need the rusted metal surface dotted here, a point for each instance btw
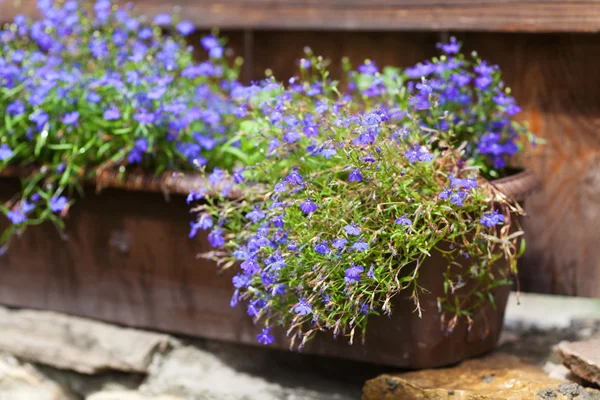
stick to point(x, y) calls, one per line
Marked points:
point(390, 15)
point(127, 259)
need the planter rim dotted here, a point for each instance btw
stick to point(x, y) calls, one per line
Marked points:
point(516, 186)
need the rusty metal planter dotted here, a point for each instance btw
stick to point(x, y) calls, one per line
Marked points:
point(127, 260)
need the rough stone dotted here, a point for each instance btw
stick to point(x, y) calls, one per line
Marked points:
point(495, 377)
point(78, 344)
point(129, 395)
point(582, 357)
point(195, 373)
point(22, 382)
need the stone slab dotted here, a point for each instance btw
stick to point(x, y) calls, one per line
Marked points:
point(496, 377)
point(582, 358)
point(78, 344)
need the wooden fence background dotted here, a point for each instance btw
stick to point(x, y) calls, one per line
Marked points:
point(549, 51)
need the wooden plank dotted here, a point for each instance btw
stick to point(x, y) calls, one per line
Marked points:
point(128, 260)
point(555, 79)
point(391, 15)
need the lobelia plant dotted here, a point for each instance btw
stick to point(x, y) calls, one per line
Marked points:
point(348, 193)
point(85, 89)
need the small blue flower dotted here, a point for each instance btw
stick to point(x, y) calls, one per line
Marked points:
point(355, 176)
point(255, 215)
point(360, 246)
point(5, 152)
point(492, 219)
point(16, 217)
point(70, 118)
point(16, 108)
point(352, 230)
point(353, 274)
point(322, 248)
point(215, 238)
point(250, 267)
point(368, 68)
point(238, 178)
point(308, 207)
point(112, 113)
point(265, 337)
point(371, 273)
point(445, 194)
point(339, 243)
point(27, 207)
point(404, 221)
point(58, 203)
point(302, 308)
point(241, 281)
point(450, 48)
point(162, 19)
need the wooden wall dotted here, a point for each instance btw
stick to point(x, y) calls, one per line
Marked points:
point(550, 55)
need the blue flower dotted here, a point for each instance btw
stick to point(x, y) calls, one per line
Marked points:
point(112, 113)
point(368, 68)
point(15, 108)
point(360, 246)
point(450, 48)
point(492, 219)
point(328, 152)
point(280, 187)
point(424, 88)
point(464, 183)
point(265, 337)
point(234, 298)
point(294, 178)
point(250, 267)
point(162, 19)
point(16, 217)
point(339, 243)
point(302, 308)
point(355, 176)
point(145, 33)
point(215, 238)
point(144, 117)
point(209, 42)
point(215, 177)
point(352, 230)
point(5, 152)
point(353, 274)
point(371, 273)
point(58, 203)
point(27, 207)
point(371, 120)
point(445, 194)
point(238, 178)
point(70, 118)
point(322, 248)
point(416, 154)
point(308, 207)
point(458, 198)
point(254, 307)
point(255, 215)
point(40, 118)
point(195, 196)
point(404, 221)
point(241, 281)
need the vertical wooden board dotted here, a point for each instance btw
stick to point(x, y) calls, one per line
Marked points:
point(280, 50)
point(556, 81)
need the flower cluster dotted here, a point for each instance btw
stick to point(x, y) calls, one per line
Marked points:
point(85, 89)
point(469, 94)
point(345, 197)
